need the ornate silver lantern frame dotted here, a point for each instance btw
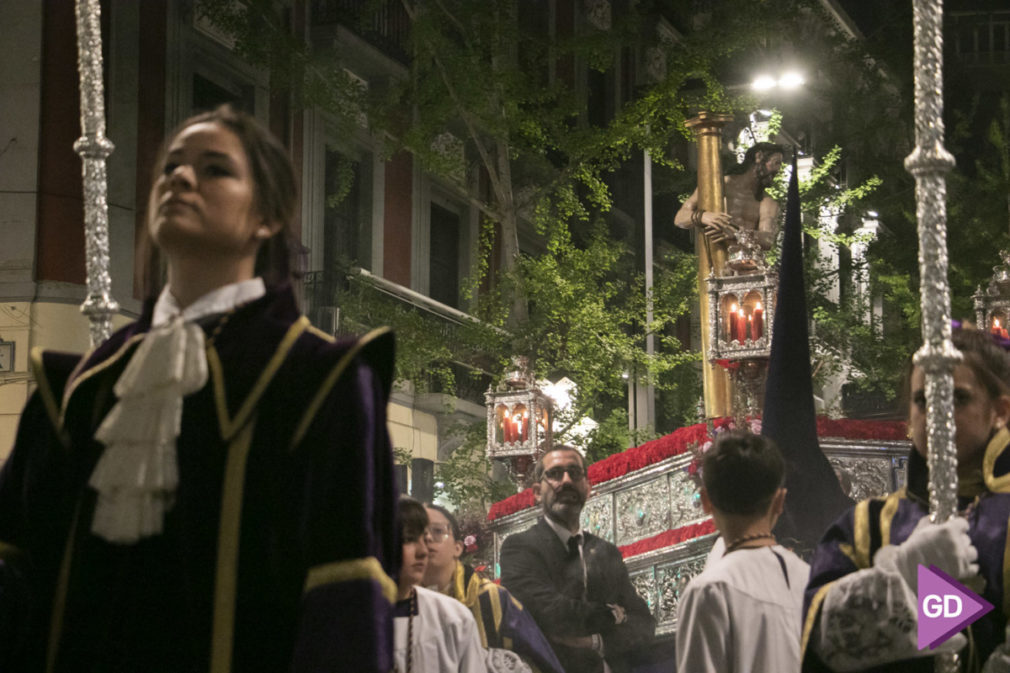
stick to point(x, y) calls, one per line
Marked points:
point(741, 312)
point(519, 421)
point(992, 305)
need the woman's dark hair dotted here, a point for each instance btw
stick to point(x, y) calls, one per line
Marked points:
point(742, 472)
point(453, 524)
point(413, 518)
point(988, 361)
point(275, 189)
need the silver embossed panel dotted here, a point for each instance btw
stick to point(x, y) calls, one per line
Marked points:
point(685, 501)
point(643, 511)
point(644, 582)
point(598, 516)
point(671, 579)
point(861, 477)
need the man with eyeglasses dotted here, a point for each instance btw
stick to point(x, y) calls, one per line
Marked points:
point(505, 624)
point(574, 583)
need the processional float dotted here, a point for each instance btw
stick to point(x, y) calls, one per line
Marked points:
point(653, 501)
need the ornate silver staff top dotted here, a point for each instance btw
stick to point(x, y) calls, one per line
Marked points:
point(929, 163)
point(94, 147)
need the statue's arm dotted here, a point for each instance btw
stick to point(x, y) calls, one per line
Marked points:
point(683, 217)
point(717, 226)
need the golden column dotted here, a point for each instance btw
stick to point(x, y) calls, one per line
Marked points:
point(711, 256)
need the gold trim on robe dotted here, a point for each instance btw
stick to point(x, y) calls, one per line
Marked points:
point(331, 380)
point(367, 568)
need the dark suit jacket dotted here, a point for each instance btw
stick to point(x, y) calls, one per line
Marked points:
point(547, 579)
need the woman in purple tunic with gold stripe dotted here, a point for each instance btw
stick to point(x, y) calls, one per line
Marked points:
point(861, 604)
point(210, 489)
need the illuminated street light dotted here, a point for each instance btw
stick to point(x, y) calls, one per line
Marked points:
point(787, 82)
point(791, 80)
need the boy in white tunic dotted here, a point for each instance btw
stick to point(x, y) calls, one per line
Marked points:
point(432, 633)
point(742, 613)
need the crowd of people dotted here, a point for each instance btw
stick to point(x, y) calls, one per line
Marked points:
point(211, 489)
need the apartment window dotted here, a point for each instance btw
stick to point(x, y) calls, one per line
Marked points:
point(444, 259)
point(208, 94)
point(347, 211)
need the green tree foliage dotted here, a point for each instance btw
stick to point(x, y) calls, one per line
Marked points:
point(512, 92)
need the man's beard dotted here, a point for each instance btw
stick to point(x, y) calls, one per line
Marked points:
point(565, 505)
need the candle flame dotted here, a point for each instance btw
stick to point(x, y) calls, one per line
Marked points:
point(757, 306)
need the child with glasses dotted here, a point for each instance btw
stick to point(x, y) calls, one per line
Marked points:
point(508, 628)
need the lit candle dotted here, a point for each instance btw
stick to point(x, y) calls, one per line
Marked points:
point(750, 327)
point(732, 323)
point(507, 428)
point(995, 326)
point(758, 327)
point(517, 434)
point(526, 425)
point(741, 326)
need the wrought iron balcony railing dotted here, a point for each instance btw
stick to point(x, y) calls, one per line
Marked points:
point(383, 24)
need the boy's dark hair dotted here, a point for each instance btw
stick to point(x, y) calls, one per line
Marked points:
point(453, 524)
point(413, 518)
point(742, 472)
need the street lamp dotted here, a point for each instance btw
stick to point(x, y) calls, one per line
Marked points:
point(787, 81)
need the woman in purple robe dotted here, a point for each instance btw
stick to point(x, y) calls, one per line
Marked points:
point(211, 488)
point(861, 603)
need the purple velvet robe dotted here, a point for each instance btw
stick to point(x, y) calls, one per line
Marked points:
point(303, 528)
point(850, 543)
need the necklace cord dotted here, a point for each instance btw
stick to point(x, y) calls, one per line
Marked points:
point(735, 544)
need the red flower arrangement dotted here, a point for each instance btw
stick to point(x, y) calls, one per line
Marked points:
point(511, 504)
point(677, 442)
point(668, 538)
point(687, 438)
point(855, 429)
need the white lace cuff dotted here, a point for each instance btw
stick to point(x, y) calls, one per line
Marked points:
point(868, 618)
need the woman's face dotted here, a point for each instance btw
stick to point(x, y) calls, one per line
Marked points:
point(976, 415)
point(204, 203)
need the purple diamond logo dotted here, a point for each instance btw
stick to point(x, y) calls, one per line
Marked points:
point(945, 606)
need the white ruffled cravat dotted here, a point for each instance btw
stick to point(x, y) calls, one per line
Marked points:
point(137, 474)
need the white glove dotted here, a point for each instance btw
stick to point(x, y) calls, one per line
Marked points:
point(945, 545)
